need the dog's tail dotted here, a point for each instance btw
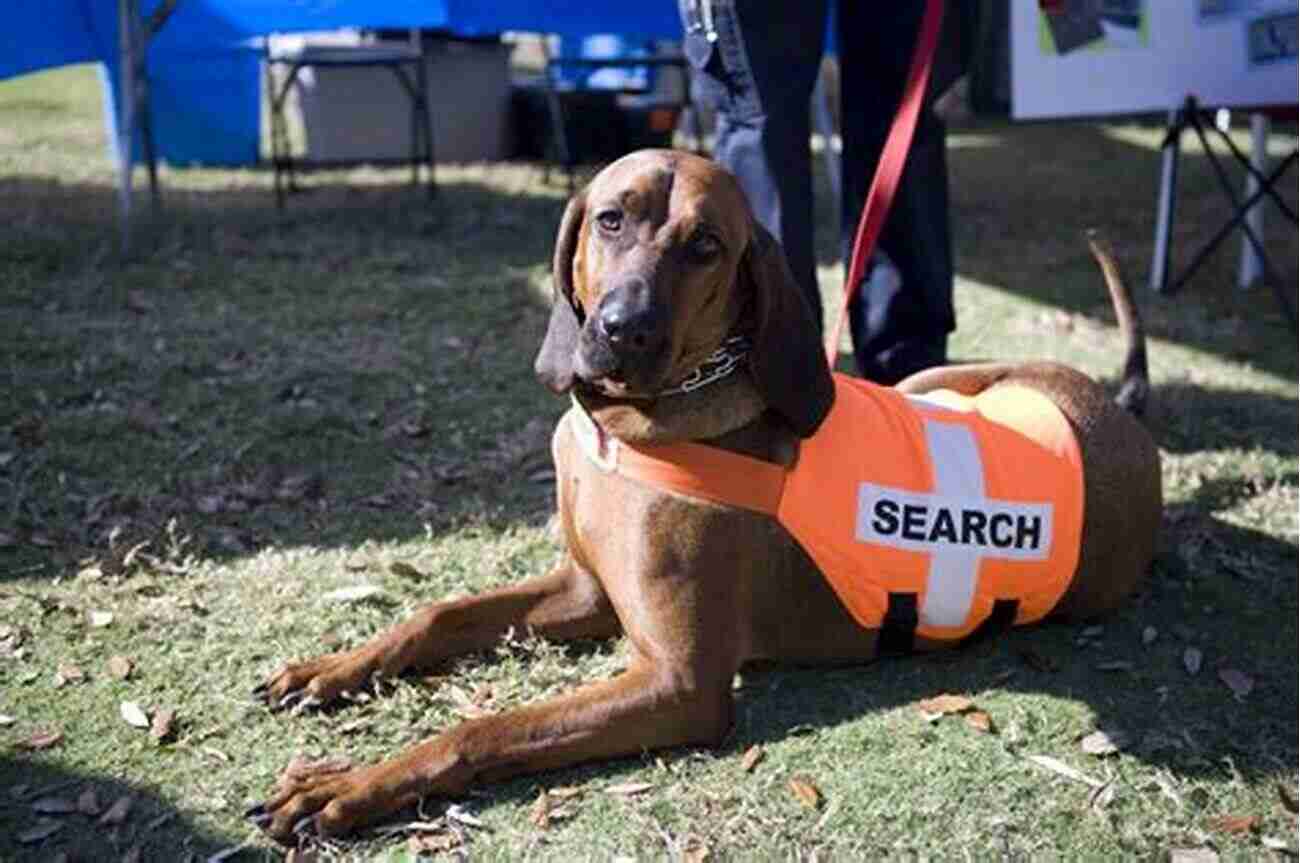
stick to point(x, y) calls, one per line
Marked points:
point(1135, 383)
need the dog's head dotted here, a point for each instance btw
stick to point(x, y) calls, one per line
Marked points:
point(656, 263)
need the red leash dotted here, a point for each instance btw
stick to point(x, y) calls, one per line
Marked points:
point(890, 169)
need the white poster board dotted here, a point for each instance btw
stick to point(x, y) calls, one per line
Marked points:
point(1077, 58)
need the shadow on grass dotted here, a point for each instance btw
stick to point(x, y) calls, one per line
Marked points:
point(36, 799)
point(1190, 418)
point(356, 368)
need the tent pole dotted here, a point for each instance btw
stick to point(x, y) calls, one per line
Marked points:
point(126, 116)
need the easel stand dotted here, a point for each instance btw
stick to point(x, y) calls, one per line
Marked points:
point(1245, 215)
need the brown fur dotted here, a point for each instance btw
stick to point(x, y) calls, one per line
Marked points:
point(698, 589)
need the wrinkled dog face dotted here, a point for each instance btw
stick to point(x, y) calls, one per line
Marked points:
point(653, 270)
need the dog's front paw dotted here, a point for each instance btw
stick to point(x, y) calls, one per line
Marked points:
point(325, 798)
point(317, 681)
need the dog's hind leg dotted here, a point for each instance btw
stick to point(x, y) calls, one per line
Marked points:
point(565, 603)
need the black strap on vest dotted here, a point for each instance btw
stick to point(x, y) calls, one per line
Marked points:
point(898, 628)
point(999, 621)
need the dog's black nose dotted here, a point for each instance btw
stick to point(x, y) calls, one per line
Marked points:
point(628, 324)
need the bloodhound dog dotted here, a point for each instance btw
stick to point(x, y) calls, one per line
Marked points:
point(658, 267)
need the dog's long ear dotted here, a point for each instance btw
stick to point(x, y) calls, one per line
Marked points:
point(554, 363)
point(787, 359)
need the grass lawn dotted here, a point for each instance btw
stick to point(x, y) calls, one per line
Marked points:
point(268, 434)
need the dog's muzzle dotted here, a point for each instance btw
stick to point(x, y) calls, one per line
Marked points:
point(623, 339)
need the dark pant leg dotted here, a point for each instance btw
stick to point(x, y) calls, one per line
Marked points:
point(760, 77)
point(898, 327)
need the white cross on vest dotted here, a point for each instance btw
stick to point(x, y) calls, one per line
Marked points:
point(955, 523)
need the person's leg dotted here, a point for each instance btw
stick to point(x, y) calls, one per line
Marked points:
point(899, 325)
point(760, 76)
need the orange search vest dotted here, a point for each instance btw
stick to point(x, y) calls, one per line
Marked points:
point(968, 506)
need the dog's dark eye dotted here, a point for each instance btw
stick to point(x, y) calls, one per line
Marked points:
point(705, 245)
point(610, 220)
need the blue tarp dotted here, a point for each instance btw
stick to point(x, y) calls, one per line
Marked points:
point(203, 65)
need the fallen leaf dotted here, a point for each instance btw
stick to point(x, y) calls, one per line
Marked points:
point(120, 667)
point(68, 674)
point(942, 705)
point(1234, 823)
point(353, 594)
point(100, 619)
point(404, 569)
point(88, 802)
point(1193, 855)
point(161, 728)
point(133, 714)
point(1062, 769)
point(564, 792)
point(1273, 843)
point(627, 789)
point(1238, 681)
point(805, 791)
point(1104, 742)
point(53, 806)
point(42, 829)
point(540, 814)
point(118, 812)
point(753, 755)
point(1192, 660)
point(694, 850)
point(1288, 797)
point(43, 740)
point(980, 721)
point(433, 843)
point(6, 720)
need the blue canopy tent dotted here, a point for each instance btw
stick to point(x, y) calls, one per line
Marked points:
point(190, 67)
